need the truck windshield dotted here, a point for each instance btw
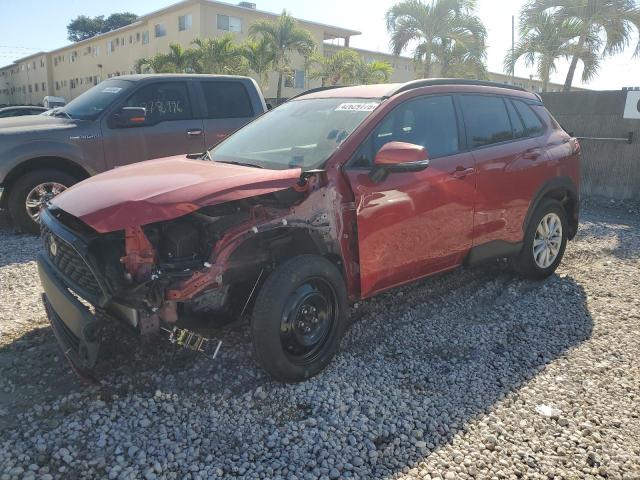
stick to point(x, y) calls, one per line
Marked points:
point(92, 102)
point(298, 134)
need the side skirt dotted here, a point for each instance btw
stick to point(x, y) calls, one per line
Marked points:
point(491, 251)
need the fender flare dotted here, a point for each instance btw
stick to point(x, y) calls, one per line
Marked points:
point(558, 184)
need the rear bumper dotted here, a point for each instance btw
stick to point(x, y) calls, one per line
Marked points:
point(74, 325)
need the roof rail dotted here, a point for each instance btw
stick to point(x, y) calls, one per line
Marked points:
point(430, 82)
point(314, 90)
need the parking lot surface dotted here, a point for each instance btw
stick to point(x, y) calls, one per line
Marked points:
point(472, 374)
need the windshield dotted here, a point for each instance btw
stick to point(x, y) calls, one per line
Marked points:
point(301, 133)
point(89, 105)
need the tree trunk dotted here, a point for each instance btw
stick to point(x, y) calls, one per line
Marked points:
point(427, 67)
point(279, 93)
point(574, 63)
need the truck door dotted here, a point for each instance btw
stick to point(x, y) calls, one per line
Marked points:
point(227, 107)
point(171, 128)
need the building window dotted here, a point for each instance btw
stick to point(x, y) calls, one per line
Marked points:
point(36, 87)
point(110, 47)
point(294, 79)
point(230, 24)
point(160, 30)
point(137, 37)
point(44, 86)
point(298, 81)
point(185, 22)
point(130, 39)
point(30, 89)
point(145, 37)
point(73, 57)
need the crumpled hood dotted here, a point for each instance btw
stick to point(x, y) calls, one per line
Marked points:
point(164, 189)
point(33, 123)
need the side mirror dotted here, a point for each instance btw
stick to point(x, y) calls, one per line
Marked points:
point(130, 117)
point(398, 157)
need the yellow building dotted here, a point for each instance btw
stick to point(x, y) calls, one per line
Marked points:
point(69, 71)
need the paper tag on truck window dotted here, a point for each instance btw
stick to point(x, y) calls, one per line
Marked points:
point(356, 107)
point(111, 90)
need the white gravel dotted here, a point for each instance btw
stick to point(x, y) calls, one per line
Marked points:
point(473, 374)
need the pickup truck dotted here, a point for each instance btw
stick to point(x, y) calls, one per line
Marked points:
point(120, 121)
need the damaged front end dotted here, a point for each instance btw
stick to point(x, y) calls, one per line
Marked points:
point(164, 277)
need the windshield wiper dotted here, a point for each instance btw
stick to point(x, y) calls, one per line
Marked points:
point(244, 164)
point(62, 112)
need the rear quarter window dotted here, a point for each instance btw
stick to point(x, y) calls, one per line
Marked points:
point(532, 124)
point(227, 100)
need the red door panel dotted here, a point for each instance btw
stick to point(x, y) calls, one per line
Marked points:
point(508, 177)
point(413, 224)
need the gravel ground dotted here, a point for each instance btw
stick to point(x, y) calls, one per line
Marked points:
point(473, 374)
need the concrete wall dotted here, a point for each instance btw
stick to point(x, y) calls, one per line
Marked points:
point(609, 168)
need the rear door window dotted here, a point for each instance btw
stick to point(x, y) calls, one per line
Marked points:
point(428, 121)
point(532, 123)
point(227, 100)
point(486, 120)
point(165, 101)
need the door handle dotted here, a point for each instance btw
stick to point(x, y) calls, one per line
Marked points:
point(461, 172)
point(533, 154)
point(194, 132)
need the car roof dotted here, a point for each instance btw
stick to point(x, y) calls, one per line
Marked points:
point(387, 90)
point(146, 76)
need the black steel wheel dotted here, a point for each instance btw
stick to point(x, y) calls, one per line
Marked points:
point(299, 318)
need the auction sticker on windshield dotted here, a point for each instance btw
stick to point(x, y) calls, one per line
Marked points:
point(356, 107)
point(111, 90)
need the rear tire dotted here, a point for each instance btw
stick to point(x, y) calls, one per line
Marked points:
point(299, 318)
point(22, 188)
point(544, 242)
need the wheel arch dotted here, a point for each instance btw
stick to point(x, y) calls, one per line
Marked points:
point(564, 190)
point(275, 246)
point(43, 162)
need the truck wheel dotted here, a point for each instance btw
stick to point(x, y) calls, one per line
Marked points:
point(299, 318)
point(544, 242)
point(33, 190)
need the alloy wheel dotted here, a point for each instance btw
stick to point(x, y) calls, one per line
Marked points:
point(547, 240)
point(39, 196)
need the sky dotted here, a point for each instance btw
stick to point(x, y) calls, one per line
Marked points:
point(28, 26)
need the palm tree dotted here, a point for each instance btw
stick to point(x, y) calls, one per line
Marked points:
point(373, 72)
point(612, 20)
point(260, 59)
point(346, 67)
point(545, 39)
point(285, 37)
point(335, 69)
point(440, 29)
point(183, 60)
point(219, 55)
point(159, 63)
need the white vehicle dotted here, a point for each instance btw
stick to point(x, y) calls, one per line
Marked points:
point(53, 102)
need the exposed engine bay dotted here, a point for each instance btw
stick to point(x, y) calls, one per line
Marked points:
point(204, 265)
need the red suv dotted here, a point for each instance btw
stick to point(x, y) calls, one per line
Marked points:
point(335, 196)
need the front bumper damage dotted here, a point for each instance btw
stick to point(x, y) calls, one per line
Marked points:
point(74, 325)
point(78, 300)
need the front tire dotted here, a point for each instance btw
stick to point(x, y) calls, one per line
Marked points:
point(299, 318)
point(544, 242)
point(31, 191)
